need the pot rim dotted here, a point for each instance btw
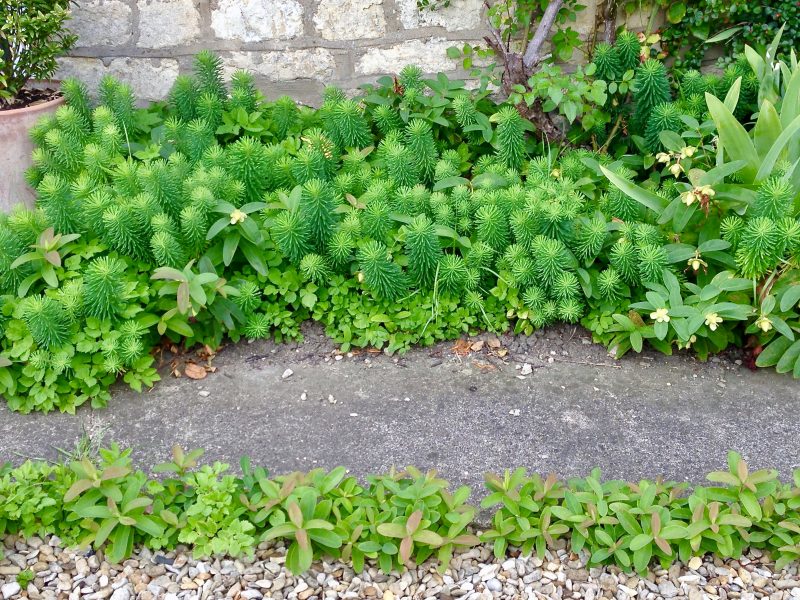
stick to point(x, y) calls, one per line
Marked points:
point(42, 106)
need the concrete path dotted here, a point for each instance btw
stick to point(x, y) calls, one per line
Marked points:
point(644, 416)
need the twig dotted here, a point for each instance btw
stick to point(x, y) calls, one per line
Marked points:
point(588, 363)
point(533, 55)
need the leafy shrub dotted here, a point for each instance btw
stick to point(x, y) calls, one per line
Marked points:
point(32, 36)
point(412, 215)
point(398, 519)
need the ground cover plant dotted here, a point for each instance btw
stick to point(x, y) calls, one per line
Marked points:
point(418, 212)
point(398, 519)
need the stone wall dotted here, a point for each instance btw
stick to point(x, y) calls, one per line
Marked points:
point(293, 46)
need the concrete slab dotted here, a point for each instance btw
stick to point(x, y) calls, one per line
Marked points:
point(644, 416)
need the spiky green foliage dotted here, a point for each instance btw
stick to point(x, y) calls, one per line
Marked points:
point(243, 91)
point(258, 326)
point(208, 72)
point(551, 257)
point(423, 250)
point(492, 226)
point(386, 119)
point(760, 248)
point(315, 268)
point(664, 117)
point(340, 248)
point(570, 309)
point(47, 321)
point(410, 78)
point(731, 228)
point(183, 97)
point(629, 50)
point(292, 233)
point(609, 284)
point(381, 275)
point(510, 137)
point(453, 273)
point(692, 83)
point(774, 199)
point(401, 164)
point(58, 205)
point(375, 218)
point(118, 98)
point(620, 205)
point(419, 139)
point(104, 287)
point(167, 250)
point(645, 233)
point(625, 260)
point(590, 237)
point(247, 162)
point(76, 95)
point(607, 60)
point(348, 127)
point(285, 115)
point(317, 204)
point(651, 88)
point(652, 262)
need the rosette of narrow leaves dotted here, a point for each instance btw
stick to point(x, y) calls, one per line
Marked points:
point(607, 61)
point(125, 231)
point(194, 227)
point(285, 115)
point(590, 237)
point(551, 257)
point(183, 97)
point(381, 274)
point(347, 126)
point(247, 159)
point(760, 248)
point(104, 287)
point(167, 250)
point(565, 286)
point(208, 73)
point(570, 309)
point(619, 204)
point(317, 204)
point(244, 94)
point(653, 260)
point(308, 164)
point(692, 82)
point(258, 326)
point(774, 199)
point(209, 111)
point(315, 268)
point(56, 202)
point(452, 275)
point(120, 100)
point(401, 165)
point(629, 50)
point(510, 136)
point(249, 298)
point(340, 248)
point(47, 321)
point(419, 139)
point(480, 255)
point(386, 119)
point(423, 250)
point(625, 260)
point(76, 95)
point(645, 233)
point(664, 117)
point(650, 88)
point(609, 284)
point(492, 226)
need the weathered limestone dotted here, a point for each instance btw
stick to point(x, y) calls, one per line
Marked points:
point(315, 63)
point(257, 20)
point(164, 23)
point(459, 16)
point(151, 79)
point(103, 23)
point(430, 55)
point(350, 19)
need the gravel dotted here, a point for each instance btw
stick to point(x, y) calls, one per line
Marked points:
point(472, 575)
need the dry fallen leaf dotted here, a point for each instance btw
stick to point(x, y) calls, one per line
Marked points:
point(462, 347)
point(494, 343)
point(477, 346)
point(483, 366)
point(501, 353)
point(194, 371)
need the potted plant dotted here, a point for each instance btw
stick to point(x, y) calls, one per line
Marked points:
point(32, 36)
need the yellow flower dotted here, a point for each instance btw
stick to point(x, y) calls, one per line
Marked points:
point(688, 151)
point(663, 157)
point(676, 169)
point(555, 173)
point(360, 277)
point(706, 190)
point(764, 323)
point(661, 315)
point(237, 216)
point(688, 198)
point(713, 320)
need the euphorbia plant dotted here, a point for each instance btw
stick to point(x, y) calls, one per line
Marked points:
point(33, 35)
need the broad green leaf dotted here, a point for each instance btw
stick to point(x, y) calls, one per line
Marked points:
point(649, 199)
point(734, 137)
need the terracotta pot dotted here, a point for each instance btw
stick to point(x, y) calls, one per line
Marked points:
point(15, 152)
